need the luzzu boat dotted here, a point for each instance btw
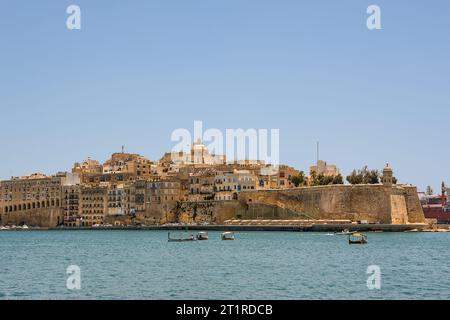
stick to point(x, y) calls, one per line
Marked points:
point(357, 238)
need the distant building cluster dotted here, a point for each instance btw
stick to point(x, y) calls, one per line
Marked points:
point(325, 169)
point(436, 206)
point(131, 185)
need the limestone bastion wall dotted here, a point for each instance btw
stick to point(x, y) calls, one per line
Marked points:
point(374, 203)
point(44, 217)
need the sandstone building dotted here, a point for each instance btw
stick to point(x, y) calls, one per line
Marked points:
point(321, 167)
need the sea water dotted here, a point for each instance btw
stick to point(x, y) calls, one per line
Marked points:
point(257, 265)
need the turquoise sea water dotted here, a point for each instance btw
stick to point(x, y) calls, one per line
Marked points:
point(257, 265)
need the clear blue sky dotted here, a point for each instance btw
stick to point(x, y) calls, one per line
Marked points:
point(137, 70)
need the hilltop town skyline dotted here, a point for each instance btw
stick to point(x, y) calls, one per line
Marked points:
point(198, 156)
point(157, 160)
point(193, 186)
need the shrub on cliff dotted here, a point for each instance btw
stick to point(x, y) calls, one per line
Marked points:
point(355, 177)
point(364, 176)
point(322, 180)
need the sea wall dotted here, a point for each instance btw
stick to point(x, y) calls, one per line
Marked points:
point(44, 217)
point(375, 203)
point(398, 204)
point(208, 211)
point(184, 212)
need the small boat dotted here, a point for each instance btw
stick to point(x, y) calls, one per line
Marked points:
point(181, 237)
point(4, 228)
point(202, 235)
point(25, 227)
point(357, 238)
point(227, 236)
point(344, 232)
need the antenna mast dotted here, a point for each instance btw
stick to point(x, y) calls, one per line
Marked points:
point(317, 152)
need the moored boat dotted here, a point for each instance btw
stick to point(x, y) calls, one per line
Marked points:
point(202, 235)
point(227, 236)
point(181, 237)
point(344, 232)
point(357, 238)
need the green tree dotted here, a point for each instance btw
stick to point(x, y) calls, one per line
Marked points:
point(371, 177)
point(313, 178)
point(356, 177)
point(299, 179)
point(338, 179)
point(364, 176)
point(322, 180)
point(325, 180)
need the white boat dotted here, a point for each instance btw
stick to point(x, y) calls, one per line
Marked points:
point(227, 236)
point(4, 228)
point(344, 232)
point(25, 227)
point(202, 235)
point(181, 237)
